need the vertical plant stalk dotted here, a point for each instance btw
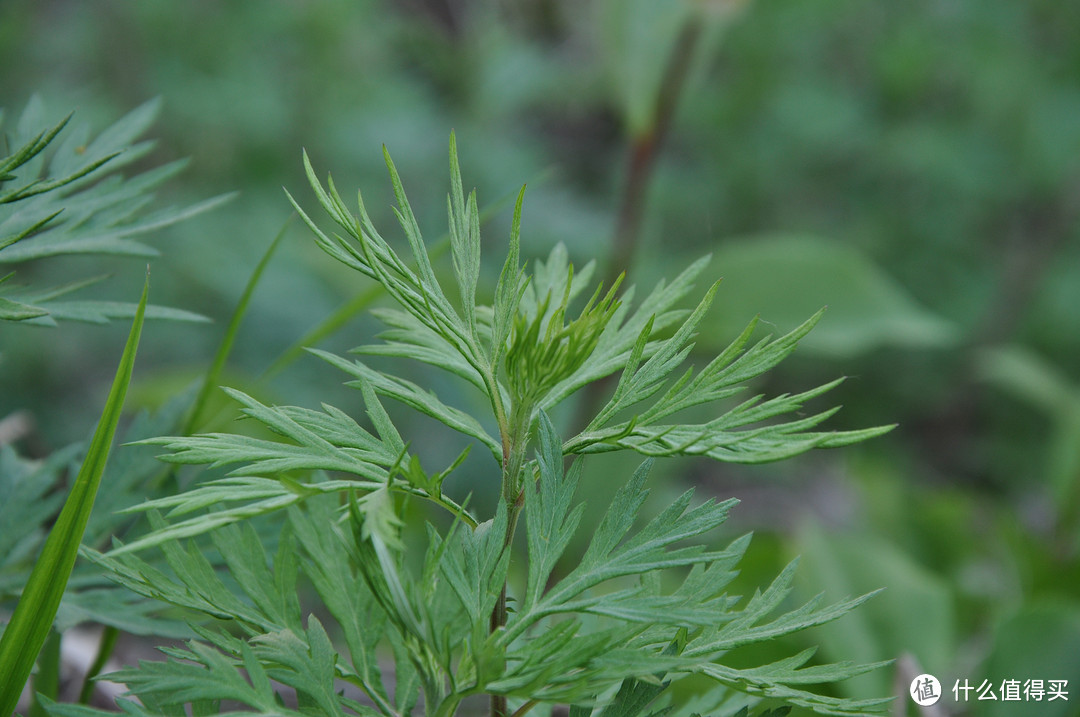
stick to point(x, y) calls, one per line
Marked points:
point(642, 161)
point(1026, 259)
point(105, 650)
point(515, 440)
point(643, 150)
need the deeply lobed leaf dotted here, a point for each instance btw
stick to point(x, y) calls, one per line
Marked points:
point(642, 605)
point(75, 203)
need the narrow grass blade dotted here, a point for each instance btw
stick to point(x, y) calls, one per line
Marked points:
point(222, 355)
point(327, 327)
point(33, 618)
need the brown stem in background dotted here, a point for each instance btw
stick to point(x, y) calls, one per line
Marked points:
point(644, 147)
point(642, 161)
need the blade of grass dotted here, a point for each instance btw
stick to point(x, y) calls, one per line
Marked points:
point(222, 355)
point(34, 614)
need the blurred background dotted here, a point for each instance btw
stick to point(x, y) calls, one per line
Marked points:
point(913, 166)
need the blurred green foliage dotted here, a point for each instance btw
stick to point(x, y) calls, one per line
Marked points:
point(922, 157)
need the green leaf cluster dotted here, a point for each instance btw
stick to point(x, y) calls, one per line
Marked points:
point(31, 495)
point(644, 605)
point(61, 194)
point(525, 358)
point(566, 640)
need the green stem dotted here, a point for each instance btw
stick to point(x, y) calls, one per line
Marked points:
point(500, 417)
point(644, 148)
point(210, 381)
point(515, 443)
point(105, 650)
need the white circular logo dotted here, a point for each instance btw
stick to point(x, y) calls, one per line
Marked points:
point(925, 690)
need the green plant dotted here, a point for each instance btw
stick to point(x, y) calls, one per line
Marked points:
point(30, 624)
point(60, 194)
point(641, 607)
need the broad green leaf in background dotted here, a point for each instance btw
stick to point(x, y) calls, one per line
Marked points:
point(1028, 377)
point(912, 614)
point(782, 278)
point(33, 617)
point(1040, 641)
